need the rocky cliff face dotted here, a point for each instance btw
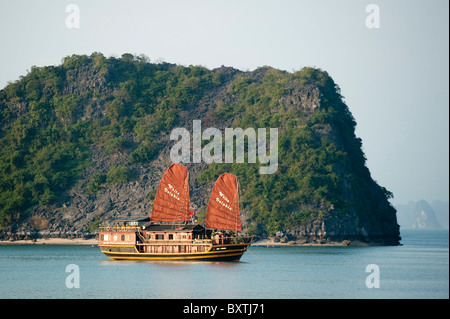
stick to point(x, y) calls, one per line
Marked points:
point(342, 202)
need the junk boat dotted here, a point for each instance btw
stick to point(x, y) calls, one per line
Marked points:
point(170, 232)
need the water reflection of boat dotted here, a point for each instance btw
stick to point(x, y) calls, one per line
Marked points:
point(170, 233)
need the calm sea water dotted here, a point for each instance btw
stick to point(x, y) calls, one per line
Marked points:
point(418, 269)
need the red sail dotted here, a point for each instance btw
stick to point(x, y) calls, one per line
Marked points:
point(172, 201)
point(223, 208)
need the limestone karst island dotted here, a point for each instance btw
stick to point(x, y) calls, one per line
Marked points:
point(88, 140)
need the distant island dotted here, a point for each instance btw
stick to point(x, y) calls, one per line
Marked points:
point(89, 140)
point(423, 215)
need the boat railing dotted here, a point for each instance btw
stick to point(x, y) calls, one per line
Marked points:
point(175, 241)
point(230, 240)
point(245, 239)
point(222, 241)
point(119, 228)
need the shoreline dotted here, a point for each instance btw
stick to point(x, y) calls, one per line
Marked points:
point(259, 243)
point(80, 241)
point(51, 241)
point(273, 244)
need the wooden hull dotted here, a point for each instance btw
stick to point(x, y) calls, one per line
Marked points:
point(230, 252)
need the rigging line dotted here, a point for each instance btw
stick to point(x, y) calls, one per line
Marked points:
point(255, 255)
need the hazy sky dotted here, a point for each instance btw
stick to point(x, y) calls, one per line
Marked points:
point(394, 78)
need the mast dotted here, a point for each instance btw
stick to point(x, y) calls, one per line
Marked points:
point(238, 216)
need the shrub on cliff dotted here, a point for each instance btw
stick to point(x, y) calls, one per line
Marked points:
point(118, 174)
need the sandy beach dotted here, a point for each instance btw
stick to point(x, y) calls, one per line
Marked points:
point(51, 241)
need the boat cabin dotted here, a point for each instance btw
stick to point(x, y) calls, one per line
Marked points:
point(175, 232)
point(155, 237)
